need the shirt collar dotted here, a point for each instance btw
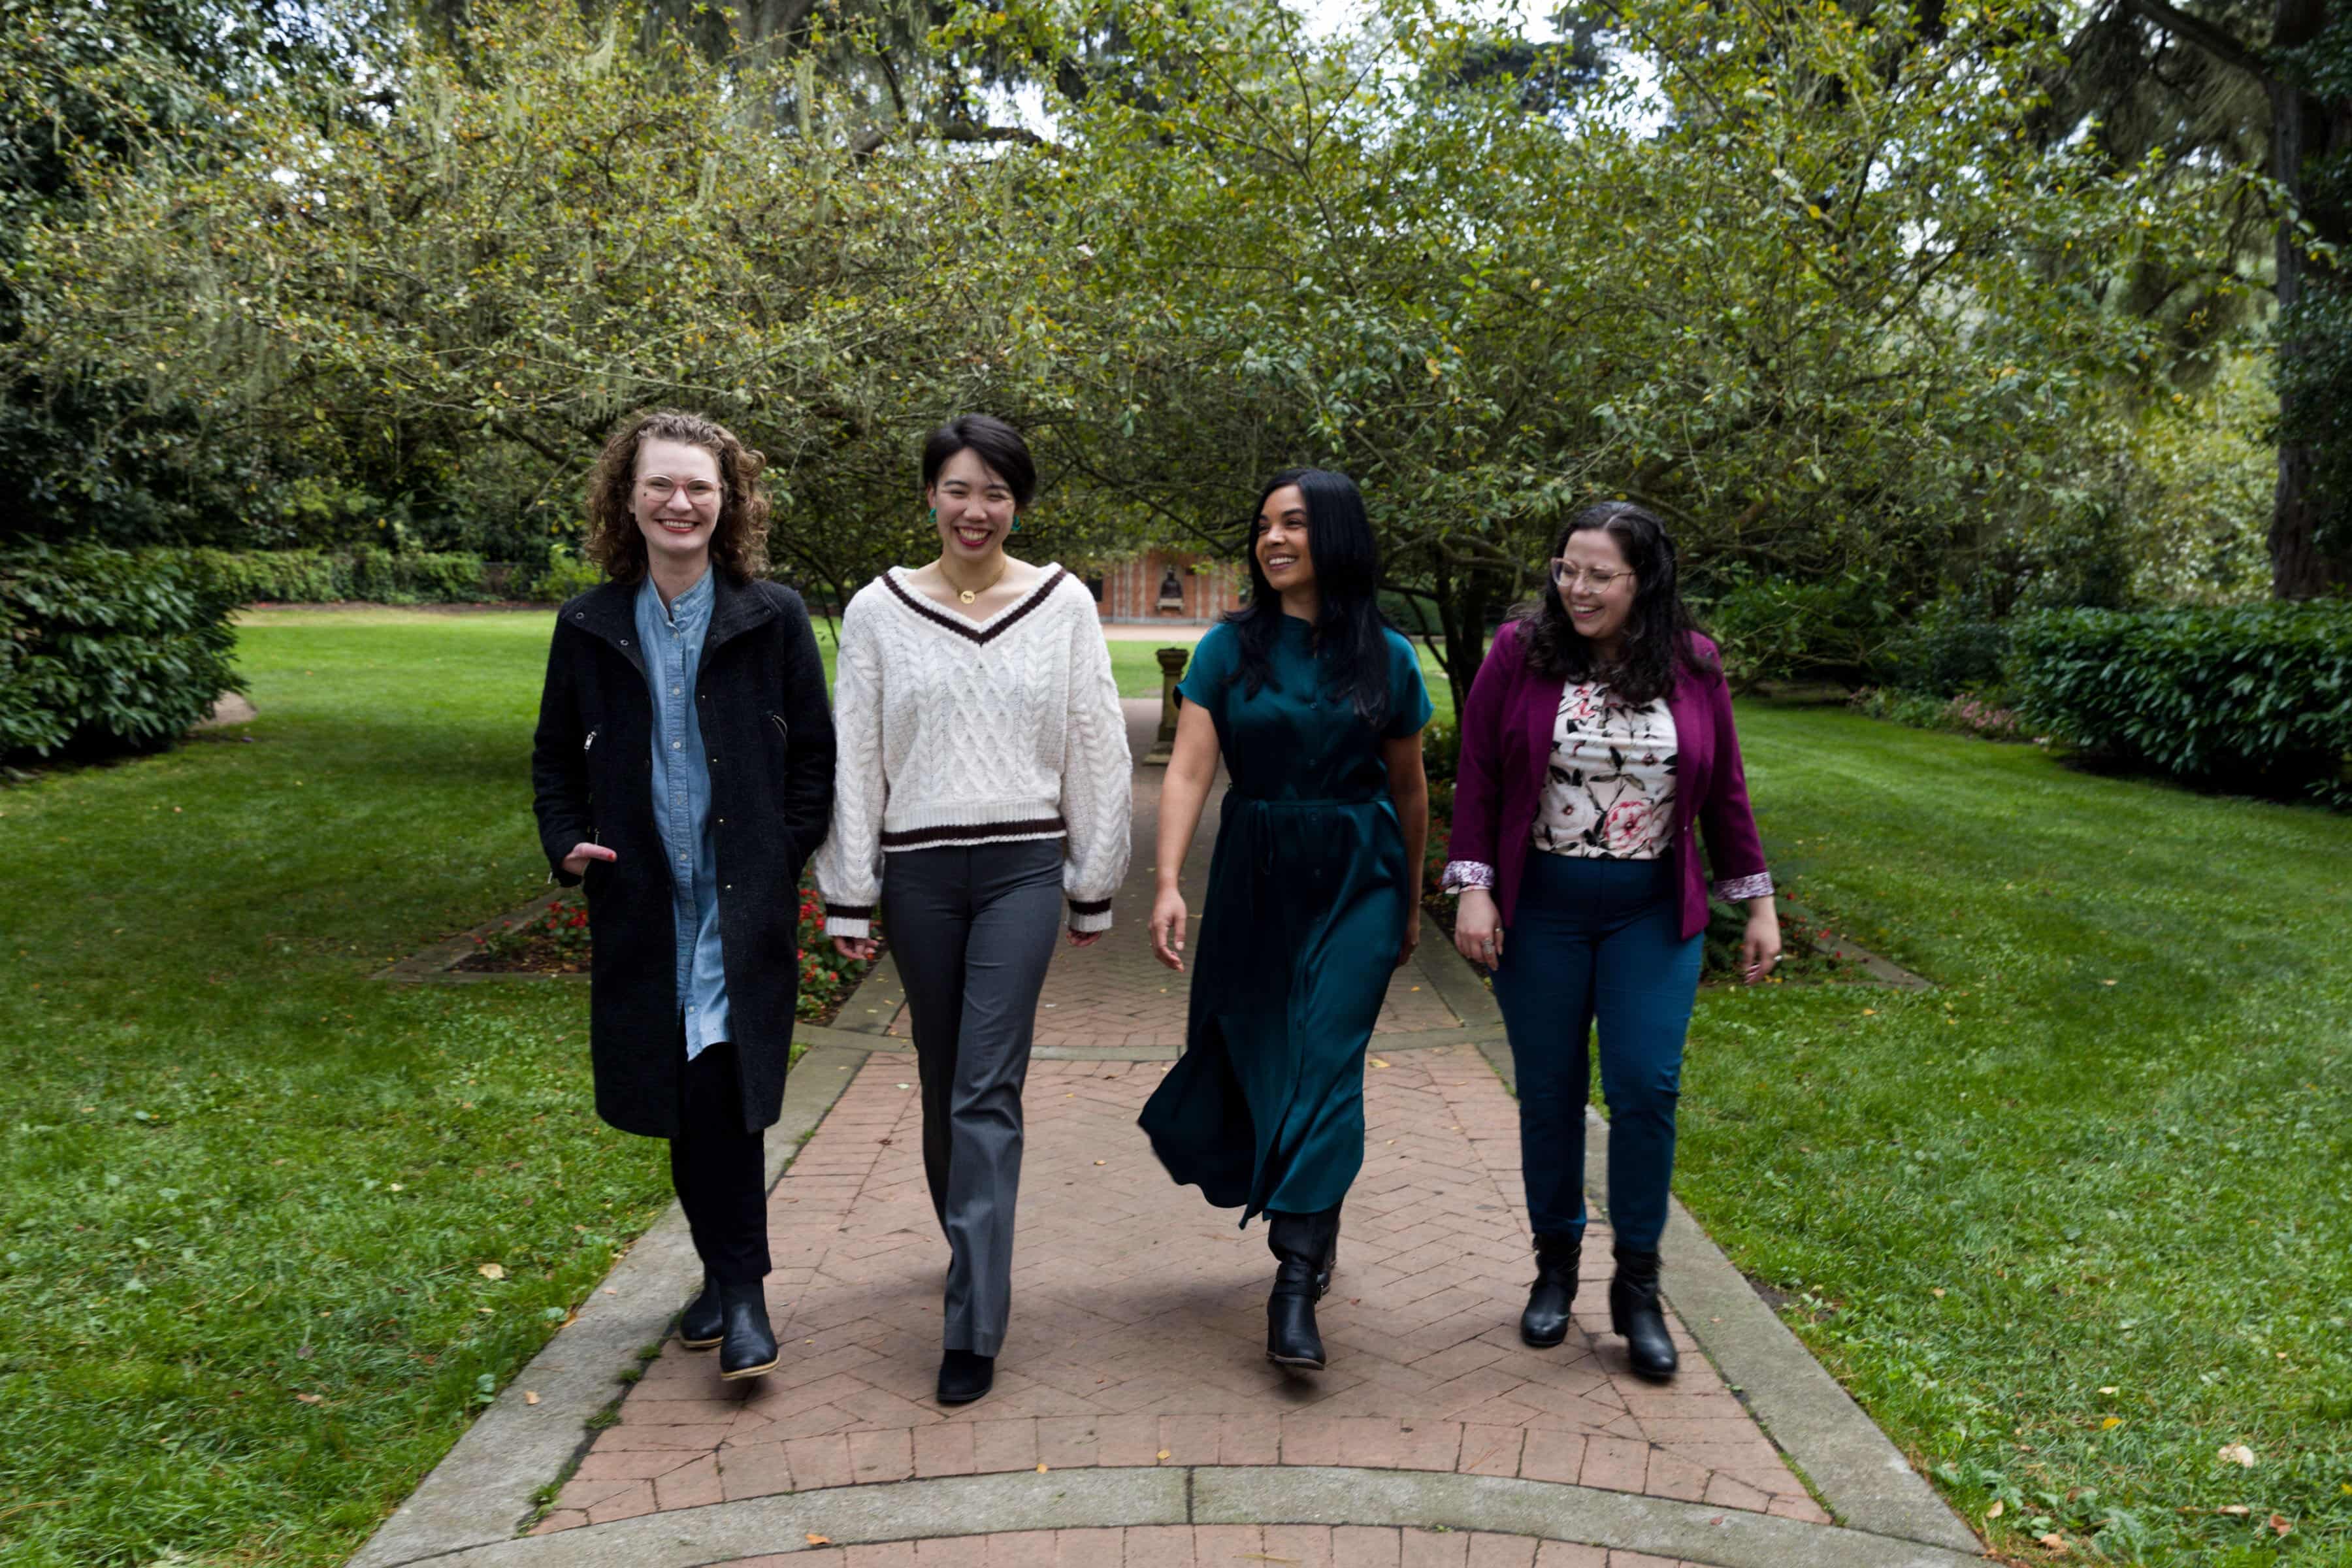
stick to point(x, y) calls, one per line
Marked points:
point(691, 611)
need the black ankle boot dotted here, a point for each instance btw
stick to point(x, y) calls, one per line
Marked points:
point(1330, 1259)
point(1303, 1245)
point(700, 1326)
point(1545, 1322)
point(747, 1344)
point(964, 1376)
point(1633, 1312)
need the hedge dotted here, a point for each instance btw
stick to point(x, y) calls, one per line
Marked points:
point(105, 650)
point(314, 577)
point(2256, 698)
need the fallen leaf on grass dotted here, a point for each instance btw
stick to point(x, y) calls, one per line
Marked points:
point(2237, 1454)
point(2280, 1524)
point(492, 1271)
point(1997, 1509)
point(2111, 1422)
point(2234, 1510)
point(311, 1398)
point(2109, 1389)
point(2054, 1542)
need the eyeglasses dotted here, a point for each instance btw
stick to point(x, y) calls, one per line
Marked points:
point(700, 494)
point(1566, 576)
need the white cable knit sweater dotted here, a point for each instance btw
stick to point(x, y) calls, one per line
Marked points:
point(952, 731)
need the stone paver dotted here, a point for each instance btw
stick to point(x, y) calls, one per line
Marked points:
point(1139, 1323)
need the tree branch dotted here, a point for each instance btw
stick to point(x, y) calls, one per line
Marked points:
point(2218, 42)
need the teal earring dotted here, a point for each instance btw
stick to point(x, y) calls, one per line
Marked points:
point(1016, 525)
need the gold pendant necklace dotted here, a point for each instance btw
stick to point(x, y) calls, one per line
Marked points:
point(969, 594)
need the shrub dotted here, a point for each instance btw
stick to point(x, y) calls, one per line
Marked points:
point(1964, 713)
point(563, 576)
point(2256, 698)
point(317, 577)
point(106, 650)
point(1776, 628)
point(1945, 651)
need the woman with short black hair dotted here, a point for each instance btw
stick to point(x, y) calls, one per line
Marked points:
point(984, 779)
point(683, 769)
point(1597, 737)
point(1315, 707)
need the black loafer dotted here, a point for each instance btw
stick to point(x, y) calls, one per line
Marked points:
point(964, 1376)
point(701, 1326)
point(748, 1345)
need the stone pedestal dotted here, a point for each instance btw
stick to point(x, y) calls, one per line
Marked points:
point(1173, 661)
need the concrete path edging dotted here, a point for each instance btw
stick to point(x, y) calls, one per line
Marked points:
point(1208, 1495)
point(484, 1488)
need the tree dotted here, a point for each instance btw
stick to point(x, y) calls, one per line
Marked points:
point(2192, 76)
point(1818, 319)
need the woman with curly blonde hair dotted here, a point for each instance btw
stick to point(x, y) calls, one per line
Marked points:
point(683, 772)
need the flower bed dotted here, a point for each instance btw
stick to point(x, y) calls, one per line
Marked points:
point(555, 941)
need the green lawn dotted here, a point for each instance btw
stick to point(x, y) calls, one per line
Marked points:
point(238, 1173)
point(2076, 1220)
point(248, 1192)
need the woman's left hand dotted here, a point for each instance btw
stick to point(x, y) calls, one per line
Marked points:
point(1086, 937)
point(1411, 937)
point(1759, 950)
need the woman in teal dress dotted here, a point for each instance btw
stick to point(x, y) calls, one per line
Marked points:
point(1315, 708)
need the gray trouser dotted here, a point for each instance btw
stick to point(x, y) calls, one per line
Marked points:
point(972, 929)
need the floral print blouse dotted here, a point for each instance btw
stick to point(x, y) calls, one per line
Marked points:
point(1609, 794)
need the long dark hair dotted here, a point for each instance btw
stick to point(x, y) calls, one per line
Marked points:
point(1658, 631)
point(1349, 645)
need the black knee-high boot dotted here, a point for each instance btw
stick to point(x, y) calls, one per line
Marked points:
point(1545, 1322)
point(1635, 1312)
point(1303, 1246)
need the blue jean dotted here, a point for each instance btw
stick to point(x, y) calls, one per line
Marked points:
point(1598, 938)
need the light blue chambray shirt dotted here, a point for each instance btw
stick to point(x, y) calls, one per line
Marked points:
point(672, 639)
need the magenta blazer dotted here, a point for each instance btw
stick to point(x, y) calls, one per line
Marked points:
point(1507, 730)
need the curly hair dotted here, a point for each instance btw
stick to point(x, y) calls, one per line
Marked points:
point(1658, 631)
point(739, 544)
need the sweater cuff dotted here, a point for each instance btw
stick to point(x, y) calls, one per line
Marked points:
point(1462, 874)
point(849, 919)
point(1739, 889)
point(1090, 914)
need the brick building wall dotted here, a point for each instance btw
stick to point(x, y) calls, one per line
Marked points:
point(1166, 586)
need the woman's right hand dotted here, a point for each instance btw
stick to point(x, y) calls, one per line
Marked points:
point(859, 949)
point(1167, 929)
point(576, 863)
point(1478, 928)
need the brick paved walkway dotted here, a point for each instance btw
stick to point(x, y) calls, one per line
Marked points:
point(1138, 1318)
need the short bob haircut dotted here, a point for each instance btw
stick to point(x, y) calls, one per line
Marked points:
point(994, 442)
point(739, 545)
point(1659, 629)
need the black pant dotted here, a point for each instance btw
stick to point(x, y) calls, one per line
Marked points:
point(718, 1169)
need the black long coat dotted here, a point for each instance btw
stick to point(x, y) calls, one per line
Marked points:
point(761, 701)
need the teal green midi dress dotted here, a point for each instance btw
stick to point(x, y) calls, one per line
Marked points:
point(1294, 943)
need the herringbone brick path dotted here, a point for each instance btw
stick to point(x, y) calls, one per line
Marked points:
point(1216, 1546)
point(1139, 1323)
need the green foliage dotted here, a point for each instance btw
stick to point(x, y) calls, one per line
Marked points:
point(2251, 698)
point(368, 575)
point(1948, 649)
point(1780, 628)
point(2315, 380)
point(1963, 713)
point(562, 576)
point(102, 650)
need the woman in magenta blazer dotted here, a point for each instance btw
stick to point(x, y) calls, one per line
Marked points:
point(1597, 737)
